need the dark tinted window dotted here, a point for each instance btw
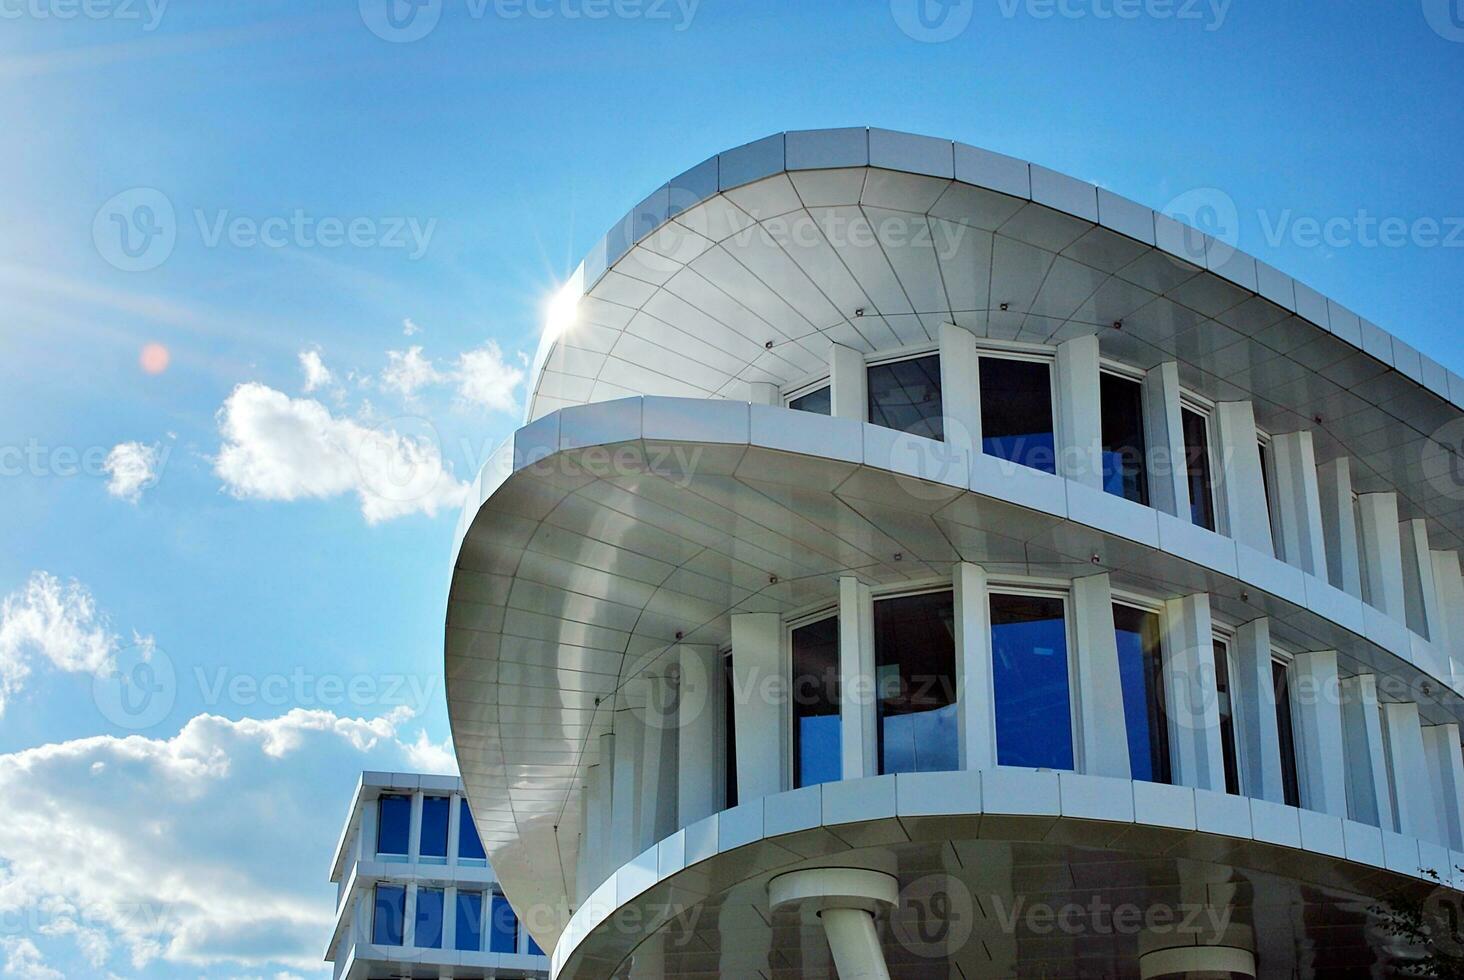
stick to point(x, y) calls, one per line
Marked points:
point(429, 918)
point(393, 824)
point(387, 917)
point(469, 921)
point(436, 811)
point(905, 395)
point(470, 846)
point(915, 681)
point(729, 735)
point(1016, 412)
point(816, 741)
point(502, 927)
point(1034, 708)
point(1227, 719)
point(1197, 467)
point(819, 401)
point(1287, 735)
point(1140, 666)
point(1124, 450)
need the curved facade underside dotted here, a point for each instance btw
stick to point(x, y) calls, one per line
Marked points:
point(661, 491)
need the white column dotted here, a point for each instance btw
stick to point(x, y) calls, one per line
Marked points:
point(449, 917)
point(975, 702)
point(368, 828)
point(1299, 503)
point(1243, 488)
point(1339, 525)
point(857, 738)
point(589, 844)
point(1413, 790)
point(760, 715)
point(1317, 700)
point(846, 900)
point(658, 768)
point(1164, 433)
point(604, 864)
point(1099, 683)
point(1079, 412)
point(1441, 742)
point(696, 737)
point(960, 387)
point(1450, 585)
point(1382, 553)
point(414, 833)
point(625, 795)
point(764, 393)
point(1190, 695)
point(1256, 723)
point(1420, 592)
point(1367, 766)
point(848, 383)
point(409, 916)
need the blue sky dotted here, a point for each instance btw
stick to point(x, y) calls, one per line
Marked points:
point(338, 199)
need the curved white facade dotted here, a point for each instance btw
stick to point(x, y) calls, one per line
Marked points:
point(620, 648)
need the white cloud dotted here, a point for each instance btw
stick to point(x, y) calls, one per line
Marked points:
point(280, 448)
point(425, 755)
point(23, 959)
point(408, 371)
point(317, 375)
point(410, 328)
point(131, 468)
point(484, 378)
point(52, 622)
point(203, 849)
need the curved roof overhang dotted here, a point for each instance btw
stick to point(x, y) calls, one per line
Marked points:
point(603, 532)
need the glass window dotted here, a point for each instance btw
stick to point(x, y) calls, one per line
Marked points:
point(1141, 669)
point(393, 824)
point(429, 918)
point(387, 917)
point(1124, 449)
point(729, 735)
point(469, 921)
point(905, 395)
point(470, 846)
point(1034, 709)
point(816, 741)
point(534, 949)
point(1016, 412)
point(502, 927)
point(436, 810)
point(1291, 788)
point(1268, 476)
point(915, 681)
point(1197, 467)
point(1227, 718)
point(820, 401)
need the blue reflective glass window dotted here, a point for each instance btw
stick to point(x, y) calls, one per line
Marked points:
point(1227, 719)
point(1290, 781)
point(1034, 710)
point(534, 949)
point(1124, 450)
point(470, 845)
point(469, 936)
point(1197, 468)
point(435, 813)
point(429, 918)
point(905, 395)
point(1140, 668)
point(393, 824)
point(816, 734)
point(819, 402)
point(915, 683)
point(1016, 412)
point(388, 916)
point(502, 927)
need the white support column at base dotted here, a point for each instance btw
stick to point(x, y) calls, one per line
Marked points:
point(846, 900)
point(760, 717)
point(1190, 693)
point(975, 700)
point(960, 387)
point(854, 943)
point(1298, 502)
point(1200, 961)
point(1420, 592)
point(1079, 412)
point(1441, 742)
point(1256, 724)
point(1318, 703)
point(857, 740)
point(1382, 553)
point(1367, 766)
point(1104, 736)
point(1168, 486)
point(697, 686)
point(764, 393)
point(848, 383)
point(1243, 493)
point(1339, 526)
point(1413, 789)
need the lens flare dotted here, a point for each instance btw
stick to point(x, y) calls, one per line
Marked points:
point(154, 359)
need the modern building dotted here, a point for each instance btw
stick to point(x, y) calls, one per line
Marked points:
point(415, 896)
point(919, 562)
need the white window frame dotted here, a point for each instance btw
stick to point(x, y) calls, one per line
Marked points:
point(792, 394)
point(1148, 604)
point(790, 623)
point(1264, 443)
point(1205, 408)
point(1047, 589)
point(1285, 658)
point(1225, 635)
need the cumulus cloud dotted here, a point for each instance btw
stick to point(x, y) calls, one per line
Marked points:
point(408, 371)
point(198, 850)
point(131, 468)
point(485, 379)
point(280, 448)
point(410, 328)
point(425, 755)
point(317, 375)
point(51, 622)
point(23, 959)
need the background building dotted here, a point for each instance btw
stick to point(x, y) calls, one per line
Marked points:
point(912, 553)
point(415, 896)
